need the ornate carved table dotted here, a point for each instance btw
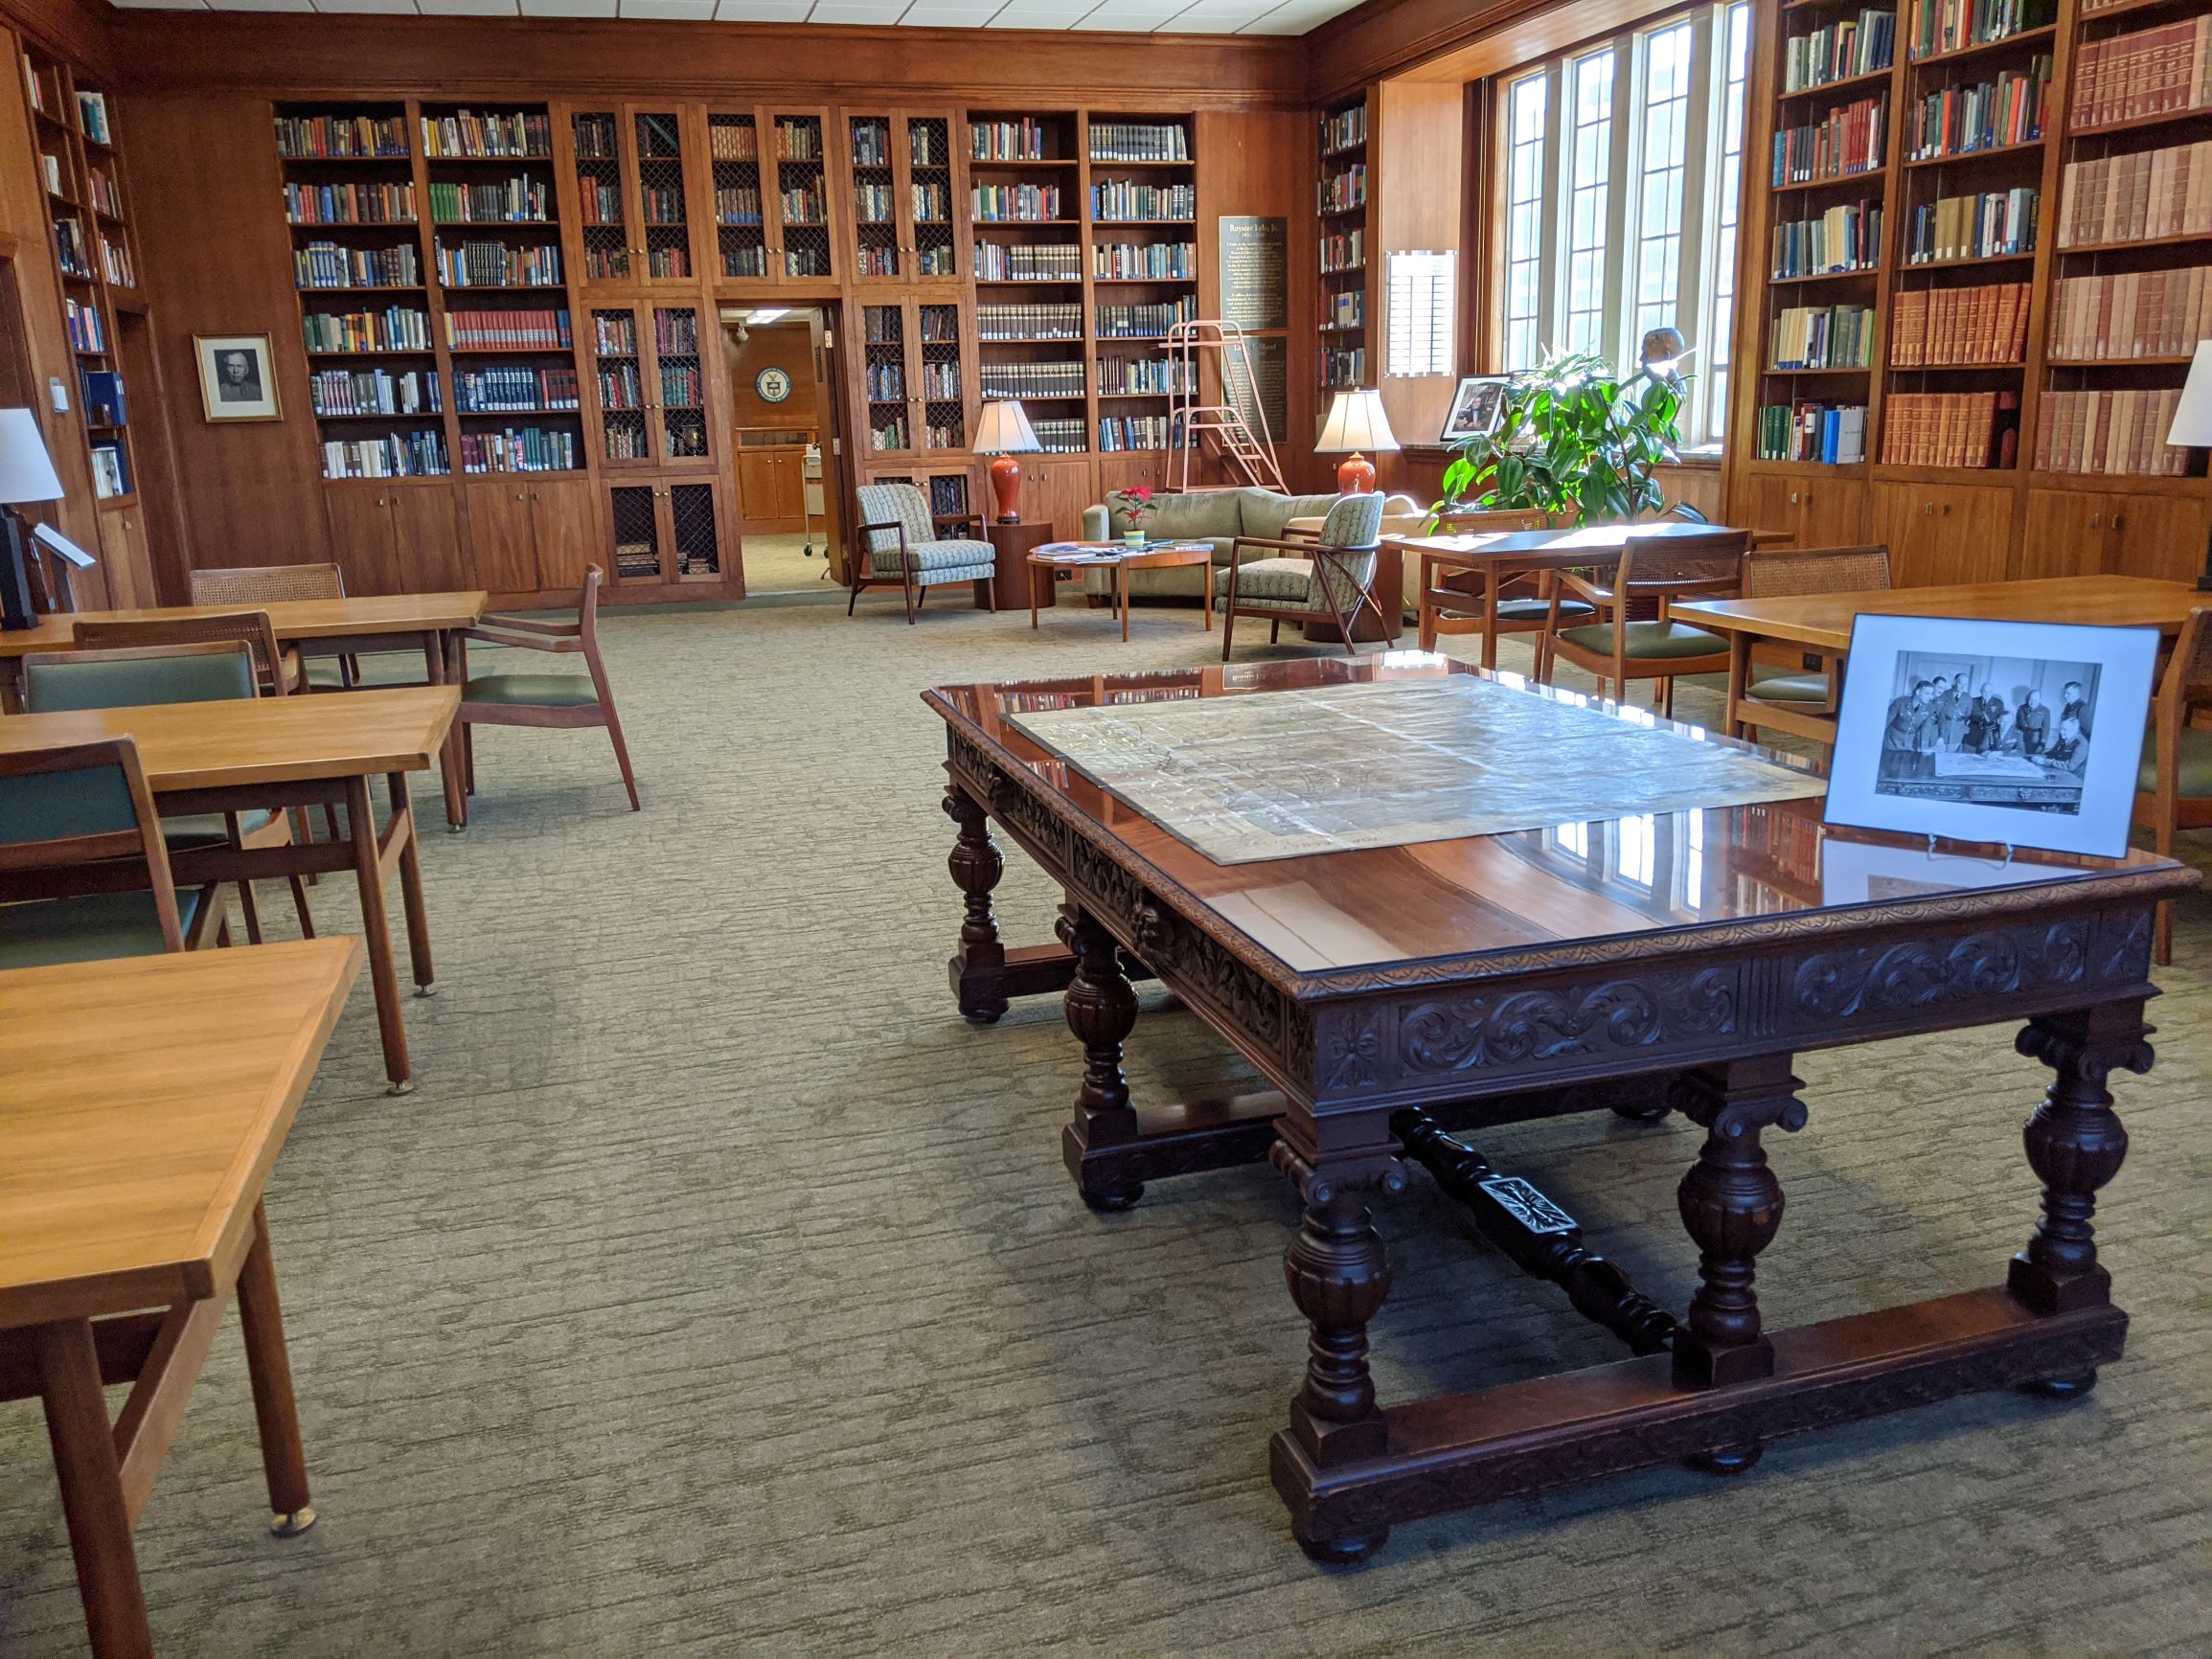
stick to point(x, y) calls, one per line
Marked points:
point(1397, 996)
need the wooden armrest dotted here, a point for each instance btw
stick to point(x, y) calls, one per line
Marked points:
point(887, 524)
point(524, 641)
point(1583, 588)
point(523, 625)
point(1269, 541)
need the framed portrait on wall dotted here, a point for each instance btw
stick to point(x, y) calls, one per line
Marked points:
point(237, 378)
point(2003, 733)
point(1475, 407)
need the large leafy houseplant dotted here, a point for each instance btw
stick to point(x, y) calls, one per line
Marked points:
point(1573, 440)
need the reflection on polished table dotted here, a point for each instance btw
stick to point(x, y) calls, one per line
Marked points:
point(1396, 996)
point(144, 1103)
point(1822, 621)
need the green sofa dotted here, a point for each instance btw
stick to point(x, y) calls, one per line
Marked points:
point(1218, 516)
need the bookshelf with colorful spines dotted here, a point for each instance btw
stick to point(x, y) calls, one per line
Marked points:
point(1140, 199)
point(1026, 185)
point(1341, 239)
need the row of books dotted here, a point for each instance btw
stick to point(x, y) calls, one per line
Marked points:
point(1343, 366)
point(1002, 203)
point(599, 199)
point(1989, 114)
point(1848, 47)
point(2115, 433)
point(1942, 326)
point(1811, 430)
point(1032, 380)
point(1122, 432)
point(1139, 141)
point(940, 325)
point(668, 262)
point(1345, 311)
point(597, 138)
point(92, 117)
point(496, 266)
point(507, 391)
point(521, 450)
point(1020, 140)
point(105, 403)
point(662, 204)
point(1822, 337)
point(401, 455)
point(2148, 195)
point(69, 250)
point(2150, 72)
point(1989, 225)
point(350, 204)
point(81, 320)
point(682, 384)
point(941, 380)
point(516, 200)
point(1966, 430)
point(731, 140)
point(1940, 26)
point(1846, 238)
point(740, 204)
point(1145, 377)
point(468, 135)
point(614, 333)
point(1343, 190)
point(1029, 322)
point(1847, 139)
point(798, 138)
point(676, 330)
point(329, 265)
point(887, 432)
point(1124, 201)
point(316, 137)
point(1061, 436)
point(1344, 251)
point(506, 330)
point(619, 386)
point(396, 328)
point(1344, 129)
point(2133, 314)
point(803, 204)
point(1144, 322)
point(930, 202)
point(1021, 262)
point(110, 470)
point(101, 190)
point(373, 392)
point(115, 264)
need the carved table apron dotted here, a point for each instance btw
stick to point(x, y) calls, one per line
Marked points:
point(1372, 1065)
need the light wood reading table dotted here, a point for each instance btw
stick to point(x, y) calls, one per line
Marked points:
point(144, 1103)
point(292, 752)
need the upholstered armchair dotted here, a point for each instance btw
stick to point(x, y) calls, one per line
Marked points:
point(901, 547)
point(1325, 579)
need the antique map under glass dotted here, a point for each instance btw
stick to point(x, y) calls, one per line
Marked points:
point(1333, 768)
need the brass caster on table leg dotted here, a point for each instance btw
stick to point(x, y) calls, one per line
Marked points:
point(1113, 1200)
point(2061, 1387)
point(1344, 1551)
point(426, 991)
point(291, 1526)
point(1727, 1460)
point(456, 829)
point(405, 1086)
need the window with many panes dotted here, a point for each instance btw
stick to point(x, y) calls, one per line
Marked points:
point(1622, 195)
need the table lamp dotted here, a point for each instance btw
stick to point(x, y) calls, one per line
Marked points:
point(25, 474)
point(1005, 431)
point(1356, 422)
point(2192, 430)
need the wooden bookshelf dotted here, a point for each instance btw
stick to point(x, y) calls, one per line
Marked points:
point(1140, 203)
point(1345, 240)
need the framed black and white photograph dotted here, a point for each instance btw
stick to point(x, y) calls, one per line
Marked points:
point(237, 377)
point(2026, 734)
point(1475, 407)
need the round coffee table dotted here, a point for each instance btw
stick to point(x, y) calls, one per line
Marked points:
point(1122, 558)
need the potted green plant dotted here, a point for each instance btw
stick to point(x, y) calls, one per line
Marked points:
point(1573, 440)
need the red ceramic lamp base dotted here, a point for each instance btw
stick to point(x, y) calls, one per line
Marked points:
point(1006, 488)
point(1354, 475)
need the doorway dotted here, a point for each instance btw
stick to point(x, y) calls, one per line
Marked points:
point(785, 441)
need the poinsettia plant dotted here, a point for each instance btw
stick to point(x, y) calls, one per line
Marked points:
point(1138, 504)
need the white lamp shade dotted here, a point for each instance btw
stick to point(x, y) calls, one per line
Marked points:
point(26, 470)
point(1356, 422)
point(2192, 427)
point(1005, 430)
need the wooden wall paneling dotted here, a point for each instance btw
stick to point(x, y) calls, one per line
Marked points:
point(1262, 163)
point(124, 555)
point(1055, 489)
point(360, 534)
point(1416, 147)
point(78, 30)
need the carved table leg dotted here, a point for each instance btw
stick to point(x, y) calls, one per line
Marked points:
point(1732, 1205)
point(1101, 1010)
point(976, 866)
point(2075, 1144)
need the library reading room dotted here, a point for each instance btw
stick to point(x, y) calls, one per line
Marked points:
point(1369, 818)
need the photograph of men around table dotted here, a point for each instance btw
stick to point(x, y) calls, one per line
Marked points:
point(1993, 731)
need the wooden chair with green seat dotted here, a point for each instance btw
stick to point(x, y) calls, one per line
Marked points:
point(585, 699)
point(258, 584)
point(84, 874)
point(2173, 784)
point(1618, 648)
point(1783, 572)
point(1523, 600)
point(209, 671)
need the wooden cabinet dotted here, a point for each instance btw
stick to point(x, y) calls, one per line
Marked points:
point(1056, 489)
point(397, 535)
point(772, 489)
point(1145, 470)
point(668, 530)
point(1944, 533)
point(564, 516)
point(634, 165)
point(771, 193)
point(652, 380)
point(901, 179)
point(126, 560)
point(1811, 510)
point(531, 534)
point(2066, 533)
point(2084, 533)
point(915, 385)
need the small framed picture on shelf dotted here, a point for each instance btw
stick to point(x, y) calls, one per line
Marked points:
point(237, 377)
point(1999, 733)
point(1475, 407)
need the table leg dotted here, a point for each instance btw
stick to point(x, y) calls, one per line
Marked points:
point(90, 1473)
point(440, 655)
point(1032, 569)
point(1125, 586)
point(1428, 637)
point(269, 1368)
point(1490, 587)
point(1206, 589)
point(1739, 677)
point(368, 871)
point(411, 884)
point(1101, 1010)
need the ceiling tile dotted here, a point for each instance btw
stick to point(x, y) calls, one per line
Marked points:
point(948, 14)
point(468, 8)
point(857, 11)
point(261, 5)
point(344, 5)
point(568, 8)
point(692, 11)
point(764, 10)
point(1041, 14)
point(1125, 22)
point(163, 5)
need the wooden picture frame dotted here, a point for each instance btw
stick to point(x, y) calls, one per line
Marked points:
point(237, 378)
point(1475, 407)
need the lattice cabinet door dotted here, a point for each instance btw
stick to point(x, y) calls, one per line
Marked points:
point(742, 220)
point(941, 377)
point(879, 235)
point(639, 536)
point(692, 513)
point(889, 383)
point(663, 251)
point(678, 390)
point(798, 153)
point(616, 337)
point(929, 195)
point(603, 196)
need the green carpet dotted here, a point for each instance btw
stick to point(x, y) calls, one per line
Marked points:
point(720, 1291)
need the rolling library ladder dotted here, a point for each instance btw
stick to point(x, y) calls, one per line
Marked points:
point(1250, 455)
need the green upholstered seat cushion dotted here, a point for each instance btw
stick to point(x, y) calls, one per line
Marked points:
point(200, 828)
point(91, 928)
point(1271, 581)
point(1533, 610)
point(130, 682)
point(1176, 518)
point(2195, 765)
point(956, 560)
point(1649, 641)
point(553, 690)
point(1790, 689)
point(1266, 513)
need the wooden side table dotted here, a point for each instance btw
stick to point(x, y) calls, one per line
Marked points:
point(1013, 544)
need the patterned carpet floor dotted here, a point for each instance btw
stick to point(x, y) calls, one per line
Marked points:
point(720, 1291)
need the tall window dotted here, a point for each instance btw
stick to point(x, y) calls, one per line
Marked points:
point(1639, 233)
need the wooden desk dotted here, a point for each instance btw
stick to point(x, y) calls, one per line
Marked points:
point(1499, 556)
point(145, 1102)
point(285, 752)
point(1396, 996)
point(1822, 621)
point(435, 622)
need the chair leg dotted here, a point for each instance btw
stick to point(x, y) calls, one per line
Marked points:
point(991, 592)
point(1667, 695)
point(1228, 630)
point(1275, 630)
point(253, 912)
point(468, 757)
point(907, 589)
point(855, 599)
point(300, 905)
point(622, 755)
